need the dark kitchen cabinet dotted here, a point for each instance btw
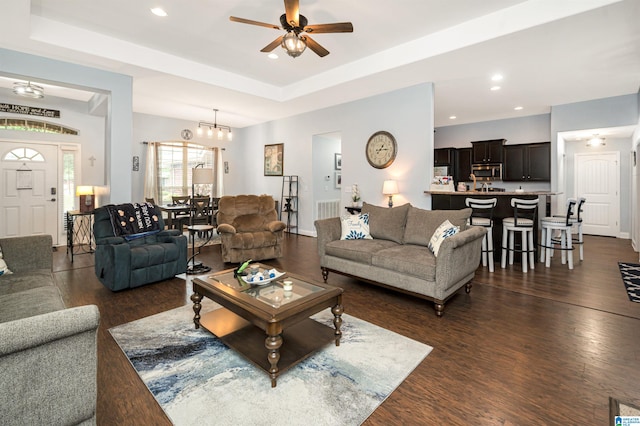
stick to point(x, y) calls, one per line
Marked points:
point(527, 162)
point(464, 159)
point(487, 151)
point(444, 156)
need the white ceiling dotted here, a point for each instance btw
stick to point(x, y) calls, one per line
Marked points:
point(550, 52)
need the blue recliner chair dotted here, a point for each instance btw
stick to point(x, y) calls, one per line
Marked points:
point(133, 248)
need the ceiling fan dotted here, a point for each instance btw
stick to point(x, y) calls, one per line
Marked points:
point(296, 40)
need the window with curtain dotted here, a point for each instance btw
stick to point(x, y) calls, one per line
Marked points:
point(175, 162)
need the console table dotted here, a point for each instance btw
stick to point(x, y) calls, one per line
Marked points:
point(80, 233)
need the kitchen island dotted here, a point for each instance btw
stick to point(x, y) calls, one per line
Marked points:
point(444, 200)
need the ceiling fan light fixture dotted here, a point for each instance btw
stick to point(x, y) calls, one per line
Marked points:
point(28, 90)
point(293, 44)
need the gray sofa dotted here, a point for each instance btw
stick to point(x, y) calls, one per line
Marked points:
point(398, 257)
point(48, 359)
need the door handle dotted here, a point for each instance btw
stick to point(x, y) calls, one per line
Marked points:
point(53, 199)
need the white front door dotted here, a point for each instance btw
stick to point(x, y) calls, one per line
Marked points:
point(28, 190)
point(597, 178)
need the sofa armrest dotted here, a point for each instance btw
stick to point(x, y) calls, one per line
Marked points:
point(276, 225)
point(28, 253)
point(459, 256)
point(50, 358)
point(225, 228)
point(328, 230)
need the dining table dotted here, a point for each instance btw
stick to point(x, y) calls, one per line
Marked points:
point(173, 211)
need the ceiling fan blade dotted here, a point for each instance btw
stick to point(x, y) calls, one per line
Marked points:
point(313, 45)
point(292, 8)
point(250, 22)
point(338, 27)
point(275, 43)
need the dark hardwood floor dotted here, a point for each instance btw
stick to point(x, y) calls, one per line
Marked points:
point(547, 347)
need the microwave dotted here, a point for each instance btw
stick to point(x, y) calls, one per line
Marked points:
point(487, 172)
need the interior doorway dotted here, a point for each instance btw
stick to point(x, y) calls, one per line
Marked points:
point(327, 174)
point(597, 178)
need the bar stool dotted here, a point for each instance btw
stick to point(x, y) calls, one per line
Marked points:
point(523, 221)
point(482, 215)
point(577, 222)
point(564, 243)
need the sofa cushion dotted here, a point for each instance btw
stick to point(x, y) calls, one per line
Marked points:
point(387, 223)
point(417, 261)
point(28, 303)
point(421, 224)
point(355, 227)
point(357, 250)
point(20, 281)
point(250, 240)
point(444, 231)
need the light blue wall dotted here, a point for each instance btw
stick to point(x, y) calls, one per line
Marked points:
point(118, 126)
point(405, 113)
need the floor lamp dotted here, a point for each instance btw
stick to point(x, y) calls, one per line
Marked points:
point(199, 176)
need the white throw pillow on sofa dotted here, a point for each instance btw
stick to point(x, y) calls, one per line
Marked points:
point(355, 227)
point(445, 230)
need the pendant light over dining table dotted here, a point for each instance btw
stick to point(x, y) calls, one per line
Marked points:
point(214, 127)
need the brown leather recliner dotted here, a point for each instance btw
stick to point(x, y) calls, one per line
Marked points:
point(249, 228)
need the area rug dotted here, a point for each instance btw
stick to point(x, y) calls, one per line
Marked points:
point(203, 240)
point(631, 278)
point(196, 379)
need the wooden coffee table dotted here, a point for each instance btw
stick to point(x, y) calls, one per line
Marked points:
point(250, 311)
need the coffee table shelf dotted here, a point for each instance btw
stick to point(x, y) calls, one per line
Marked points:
point(301, 340)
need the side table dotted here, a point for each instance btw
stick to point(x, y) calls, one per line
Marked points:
point(80, 233)
point(193, 267)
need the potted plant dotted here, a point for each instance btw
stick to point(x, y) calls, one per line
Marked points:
point(355, 195)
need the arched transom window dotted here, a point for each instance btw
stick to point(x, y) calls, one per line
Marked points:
point(23, 154)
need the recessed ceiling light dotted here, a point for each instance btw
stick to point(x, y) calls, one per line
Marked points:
point(452, 117)
point(518, 108)
point(494, 88)
point(496, 77)
point(272, 56)
point(158, 11)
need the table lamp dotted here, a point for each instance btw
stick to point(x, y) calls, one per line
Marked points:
point(86, 198)
point(390, 187)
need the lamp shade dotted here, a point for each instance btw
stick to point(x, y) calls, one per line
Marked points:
point(84, 190)
point(201, 176)
point(390, 187)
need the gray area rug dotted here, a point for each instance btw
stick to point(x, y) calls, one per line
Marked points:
point(198, 380)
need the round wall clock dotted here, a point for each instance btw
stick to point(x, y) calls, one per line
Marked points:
point(381, 149)
point(186, 134)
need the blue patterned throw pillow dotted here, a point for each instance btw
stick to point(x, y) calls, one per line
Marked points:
point(355, 227)
point(445, 230)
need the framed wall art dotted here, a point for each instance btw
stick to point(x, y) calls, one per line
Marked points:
point(338, 180)
point(338, 161)
point(274, 159)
